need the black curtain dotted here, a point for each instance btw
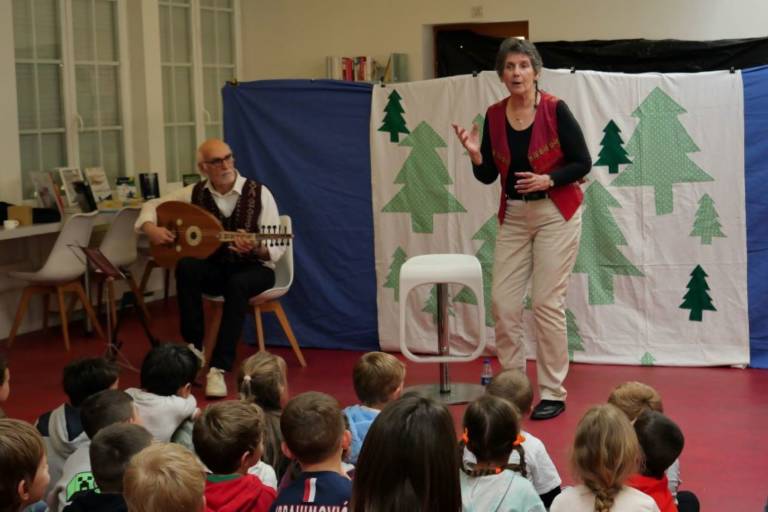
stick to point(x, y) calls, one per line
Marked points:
point(462, 51)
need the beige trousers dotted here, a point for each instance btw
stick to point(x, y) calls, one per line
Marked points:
point(535, 243)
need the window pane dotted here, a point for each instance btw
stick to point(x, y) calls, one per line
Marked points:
point(89, 149)
point(208, 3)
point(186, 147)
point(208, 22)
point(224, 28)
point(181, 50)
point(165, 34)
point(82, 29)
point(106, 30)
point(22, 29)
point(54, 151)
point(25, 92)
point(49, 84)
point(109, 96)
point(225, 74)
point(213, 131)
point(85, 82)
point(225, 3)
point(112, 149)
point(47, 29)
point(211, 93)
point(30, 157)
point(168, 94)
point(170, 154)
point(183, 94)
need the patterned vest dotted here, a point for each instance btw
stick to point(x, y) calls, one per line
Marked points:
point(245, 216)
point(544, 152)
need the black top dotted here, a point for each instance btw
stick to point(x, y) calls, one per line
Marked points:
point(572, 143)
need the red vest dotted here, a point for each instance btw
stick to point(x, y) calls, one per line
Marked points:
point(544, 152)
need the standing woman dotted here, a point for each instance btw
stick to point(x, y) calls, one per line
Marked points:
point(533, 141)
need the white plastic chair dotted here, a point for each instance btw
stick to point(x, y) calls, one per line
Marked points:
point(441, 270)
point(267, 301)
point(119, 247)
point(60, 274)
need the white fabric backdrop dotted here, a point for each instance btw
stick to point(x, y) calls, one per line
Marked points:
point(684, 141)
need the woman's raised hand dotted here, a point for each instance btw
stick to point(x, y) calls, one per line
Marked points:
point(471, 142)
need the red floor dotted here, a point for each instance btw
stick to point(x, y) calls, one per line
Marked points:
point(722, 411)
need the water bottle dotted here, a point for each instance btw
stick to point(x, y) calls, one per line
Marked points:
point(487, 374)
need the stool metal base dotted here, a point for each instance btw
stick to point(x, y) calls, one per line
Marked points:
point(459, 392)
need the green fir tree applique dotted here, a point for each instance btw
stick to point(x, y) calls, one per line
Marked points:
point(659, 148)
point(572, 330)
point(613, 153)
point(599, 255)
point(697, 299)
point(393, 278)
point(424, 178)
point(430, 306)
point(707, 223)
point(528, 303)
point(486, 234)
point(393, 121)
point(647, 359)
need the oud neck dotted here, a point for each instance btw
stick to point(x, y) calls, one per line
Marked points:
point(229, 236)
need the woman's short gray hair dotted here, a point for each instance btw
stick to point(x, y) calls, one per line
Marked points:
point(515, 45)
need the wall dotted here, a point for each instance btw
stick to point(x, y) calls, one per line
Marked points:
point(291, 38)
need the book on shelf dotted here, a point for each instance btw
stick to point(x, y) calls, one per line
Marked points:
point(84, 196)
point(126, 188)
point(47, 191)
point(364, 68)
point(70, 175)
point(99, 183)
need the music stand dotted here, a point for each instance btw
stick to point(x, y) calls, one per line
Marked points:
point(102, 265)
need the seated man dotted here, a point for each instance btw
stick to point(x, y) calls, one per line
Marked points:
point(237, 271)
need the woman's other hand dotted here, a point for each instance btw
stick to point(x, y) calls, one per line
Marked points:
point(528, 182)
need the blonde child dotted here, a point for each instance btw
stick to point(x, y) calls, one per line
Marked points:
point(605, 453)
point(262, 380)
point(164, 478)
point(491, 434)
point(378, 379)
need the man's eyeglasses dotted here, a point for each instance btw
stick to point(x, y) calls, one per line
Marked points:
point(219, 161)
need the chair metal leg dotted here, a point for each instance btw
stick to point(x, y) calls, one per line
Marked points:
point(259, 328)
point(445, 392)
point(20, 312)
point(138, 295)
point(145, 276)
point(278, 310)
point(63, 314)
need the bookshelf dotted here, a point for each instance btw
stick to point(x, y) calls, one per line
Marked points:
point(365, 68)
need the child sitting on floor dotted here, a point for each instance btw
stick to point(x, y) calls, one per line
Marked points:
point(378, 379)
point(262, 381)
point(491, 434)
point(165, 399)
point(662, 442)
point(228, 438)
point(605, 452)
point(23, 466)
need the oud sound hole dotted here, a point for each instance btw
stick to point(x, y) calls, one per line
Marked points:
point(193, 236)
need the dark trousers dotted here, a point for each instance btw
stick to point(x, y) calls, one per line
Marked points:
point(687, 502)
point(236, 282)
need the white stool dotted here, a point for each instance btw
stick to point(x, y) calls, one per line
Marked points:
point(441, 270)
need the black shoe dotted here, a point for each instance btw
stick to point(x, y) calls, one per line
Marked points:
point(547, 409)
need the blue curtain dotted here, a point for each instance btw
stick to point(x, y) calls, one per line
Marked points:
point(756, 183)
point(307, 140)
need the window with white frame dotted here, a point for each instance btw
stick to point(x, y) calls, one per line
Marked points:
point(69, 67)
point(198, 57)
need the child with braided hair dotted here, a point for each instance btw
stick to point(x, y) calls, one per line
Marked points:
point(492, 433)
point(605, 453)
